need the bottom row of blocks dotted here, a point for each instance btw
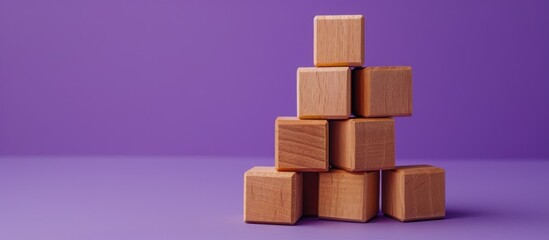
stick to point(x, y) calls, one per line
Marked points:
point(409, 193)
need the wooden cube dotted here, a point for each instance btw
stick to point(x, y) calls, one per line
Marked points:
point(348, 196)
point(362, 144)
point(271, 196)
point(413, 193)
point(301, 145)
point(324, 93)
point(339, 41)
point(310, 194)
point(382, 91)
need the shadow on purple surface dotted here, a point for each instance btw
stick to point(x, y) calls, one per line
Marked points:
point(464, 213)
point(306, 221)
point(452, 213)
point(314, 221)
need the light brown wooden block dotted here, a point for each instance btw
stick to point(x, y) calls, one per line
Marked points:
point(382, 91)
point(271, 196)
point(414, 193)
point(339, 41)
point(362, 144)
point(301, 145)
point(324, 93)
point(310, 194)
point(348, 196)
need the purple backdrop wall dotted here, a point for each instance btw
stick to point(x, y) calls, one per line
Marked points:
point(209, 77)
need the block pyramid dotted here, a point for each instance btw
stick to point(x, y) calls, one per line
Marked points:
point(328, 159)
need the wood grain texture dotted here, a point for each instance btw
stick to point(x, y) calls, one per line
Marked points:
point(362, 144)
point(271, 196)
point(310, 194)
point(301, 145)
point(339, 41)
point(382, 91)
point(324, 93)
point(413, 193)
point(348, 196)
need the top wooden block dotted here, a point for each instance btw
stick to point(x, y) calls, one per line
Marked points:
point(339, 41)
point(382, 91)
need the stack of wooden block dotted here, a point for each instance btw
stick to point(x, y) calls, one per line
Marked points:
point(328, 162)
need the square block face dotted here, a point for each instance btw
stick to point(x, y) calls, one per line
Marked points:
point(339, 41)
point(348, 196)
point(324, 93)
point(414, 193)
point(301, 145)
point(271, 196)
point(382, 91)
point(310, 194)
point(362, 144)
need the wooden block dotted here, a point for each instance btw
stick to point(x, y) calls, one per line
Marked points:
point(382, 91)
point(301, 145)
point(348, 196)
point(310, 194)
point(324, 93)
point(339, 41)
point(271, 196)
point(362, 144)
point(413, 193)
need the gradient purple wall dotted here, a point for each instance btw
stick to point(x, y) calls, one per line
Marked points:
point(208, 78)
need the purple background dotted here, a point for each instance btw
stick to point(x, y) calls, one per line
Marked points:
point(209, 77)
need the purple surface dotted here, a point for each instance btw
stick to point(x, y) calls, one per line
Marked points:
point(201, 198)
point(188, 77)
